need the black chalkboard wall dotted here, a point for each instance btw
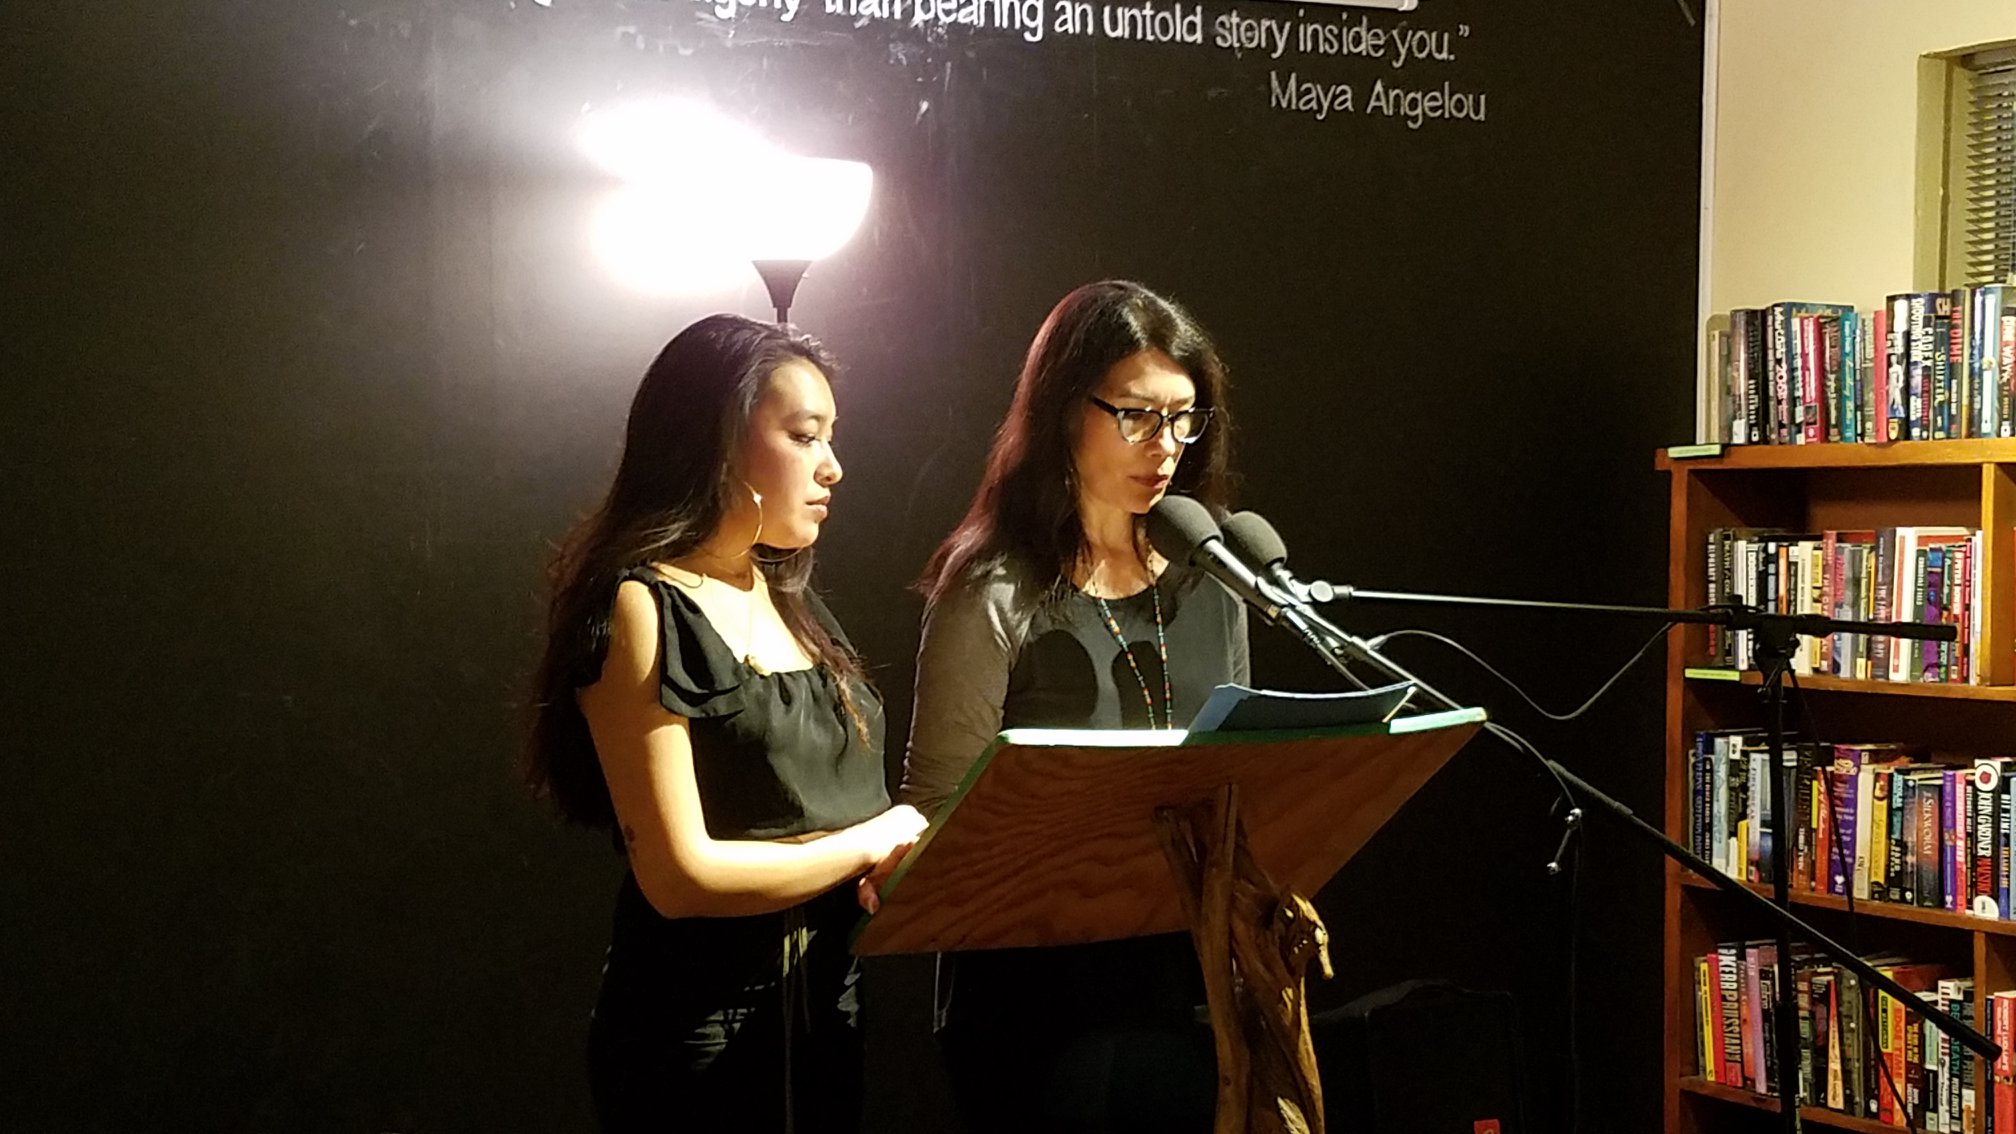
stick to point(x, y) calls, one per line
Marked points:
point(307, 361)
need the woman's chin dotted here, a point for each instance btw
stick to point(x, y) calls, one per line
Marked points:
point(798, 539)
point(1145, 499)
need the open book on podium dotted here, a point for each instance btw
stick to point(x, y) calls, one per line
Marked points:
point(1052, 837)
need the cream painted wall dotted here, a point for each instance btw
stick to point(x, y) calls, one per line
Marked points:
point(1815, 146)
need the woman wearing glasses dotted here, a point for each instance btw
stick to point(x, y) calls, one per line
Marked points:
point(1046, 608)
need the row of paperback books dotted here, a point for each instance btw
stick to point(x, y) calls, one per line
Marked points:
point(1861, 1051)
point(1906, 574)
point(1923, 366)
point(1875, 822)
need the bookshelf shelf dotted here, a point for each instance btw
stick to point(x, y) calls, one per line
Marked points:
point(1894, 455)
point(1815, 1115)
point(1814, 489)
point(1818, 683)
point(1891, 911)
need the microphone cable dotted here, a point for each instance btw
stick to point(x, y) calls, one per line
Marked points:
point(1459, 647)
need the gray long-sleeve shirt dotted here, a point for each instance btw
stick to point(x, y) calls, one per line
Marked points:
point(996, 654)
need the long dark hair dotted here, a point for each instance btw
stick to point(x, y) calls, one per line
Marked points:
point(1027, 504)
point(673, 486)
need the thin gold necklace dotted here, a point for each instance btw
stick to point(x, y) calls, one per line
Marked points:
point(749, 636)
point(756, 582)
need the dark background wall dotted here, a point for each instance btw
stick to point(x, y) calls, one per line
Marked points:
point(306, 363)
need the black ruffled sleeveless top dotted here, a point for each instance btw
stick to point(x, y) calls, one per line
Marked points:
point(775, 756)
point(773, 753)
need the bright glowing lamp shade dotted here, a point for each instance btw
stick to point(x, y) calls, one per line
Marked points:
point(667, 141)
point(801, 209)
point(647, 237)
point(702, 197)
point(804, 208)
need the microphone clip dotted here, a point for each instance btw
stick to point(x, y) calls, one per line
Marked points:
point(1316, 590)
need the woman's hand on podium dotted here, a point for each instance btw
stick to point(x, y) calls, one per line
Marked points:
point(902, 824)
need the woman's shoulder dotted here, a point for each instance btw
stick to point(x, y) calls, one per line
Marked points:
point(698, 676)
point(1006, 584)
point(631, 646)
point(997, 599)
point(643, 589)
point(653, 602)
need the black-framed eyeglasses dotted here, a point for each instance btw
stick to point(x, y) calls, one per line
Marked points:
point(1138, 426)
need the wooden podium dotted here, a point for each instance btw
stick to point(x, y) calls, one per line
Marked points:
point(1067, 837)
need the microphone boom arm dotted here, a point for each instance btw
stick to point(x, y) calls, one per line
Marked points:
point(1776, 632)
point(1773, 638)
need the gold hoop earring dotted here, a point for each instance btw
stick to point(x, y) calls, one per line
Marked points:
point(788, 556)
point(755, 498)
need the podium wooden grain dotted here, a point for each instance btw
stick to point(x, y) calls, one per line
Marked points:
point(1054, 844)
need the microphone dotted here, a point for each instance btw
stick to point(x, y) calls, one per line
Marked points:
point(1184, 532)
point(1255, 541)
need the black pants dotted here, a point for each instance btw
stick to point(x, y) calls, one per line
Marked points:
point(1106, 1080)
point(698, 1038)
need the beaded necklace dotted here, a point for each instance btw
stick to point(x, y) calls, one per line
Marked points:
point(1161, 647)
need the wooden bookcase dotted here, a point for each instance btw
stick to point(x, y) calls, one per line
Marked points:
point(1815, 488)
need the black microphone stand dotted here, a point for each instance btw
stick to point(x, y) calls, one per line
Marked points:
point(1773, 639)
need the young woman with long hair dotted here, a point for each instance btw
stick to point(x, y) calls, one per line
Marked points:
point(697, 699)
